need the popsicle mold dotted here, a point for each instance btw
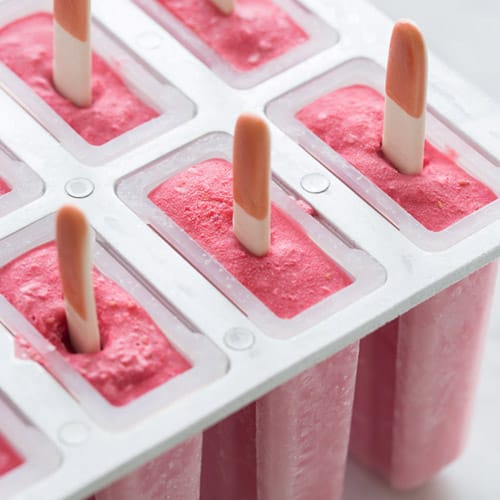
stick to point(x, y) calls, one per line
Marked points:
point(162, 106)
point(259, 40)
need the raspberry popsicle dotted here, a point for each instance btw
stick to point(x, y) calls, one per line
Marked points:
point(252, 34)
point(9, 459)
point(133, 356)
point(416, 378)
point(175, 475)
point(26, 47)
point(292, 443)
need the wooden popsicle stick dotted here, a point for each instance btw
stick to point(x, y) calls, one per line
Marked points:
point(405, 88)
point(74, 249)
point(251, 184)
point(225, 6)
point(72, 51)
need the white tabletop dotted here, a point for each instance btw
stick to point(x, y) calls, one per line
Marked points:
point(464, 34)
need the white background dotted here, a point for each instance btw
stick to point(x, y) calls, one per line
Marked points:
point(466, 35)
point(463, 33)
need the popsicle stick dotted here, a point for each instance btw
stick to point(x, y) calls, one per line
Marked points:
point(74, 248)
point(405, 88)
point(72, 51)
point(251, 184)
point(225, 6)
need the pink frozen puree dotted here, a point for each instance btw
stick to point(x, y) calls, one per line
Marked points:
point(26, 48)
point(256, 32)
point(135, 357)
point(9, 459)
point(350, 120)
point(4, 187)
point(292, 277)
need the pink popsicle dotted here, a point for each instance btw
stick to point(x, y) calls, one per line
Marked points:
point(303, 432)
point(289, 444)
point(292, 443)
point(416, 382)
point(175, 475)
point(199, 200)
point(26, 48)
point(256, 32)
point(416, 378)
point(135, 358)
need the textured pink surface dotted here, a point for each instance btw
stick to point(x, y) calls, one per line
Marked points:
point(135, 357)
point(175, 475)
point(350, 120)
point(9, 459)
point(26, 48)
point(199, 200)
point(229, 467)
point(255, 33)
point(416, 383)
point(4, 187)
point(290, 444)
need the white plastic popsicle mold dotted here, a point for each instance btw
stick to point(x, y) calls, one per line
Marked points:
point(171, 104)
point(40, 456)
point(208, 363)
point(366, 273)
point(366, 72)
point(94, 453)
point(321, 35)
point(24, 184)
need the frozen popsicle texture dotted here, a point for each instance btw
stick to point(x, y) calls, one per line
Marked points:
point(292, 443)
point(199, 200)
point(416, 382)
point(303, 432)
point(417, 374)
point(26, 48)
point(135, 357)
point(256, 32)
point(175, 475)
point(9, 459)
point(350, 121)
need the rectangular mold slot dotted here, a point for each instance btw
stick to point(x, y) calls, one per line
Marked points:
point(365, 272)
point(207, 362)
point(173, 107)
point(320, 37)
point(366, 72)
point(25, 185)
point(40, 456)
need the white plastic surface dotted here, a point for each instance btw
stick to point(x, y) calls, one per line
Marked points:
point(25, 184)
point(39, 454)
